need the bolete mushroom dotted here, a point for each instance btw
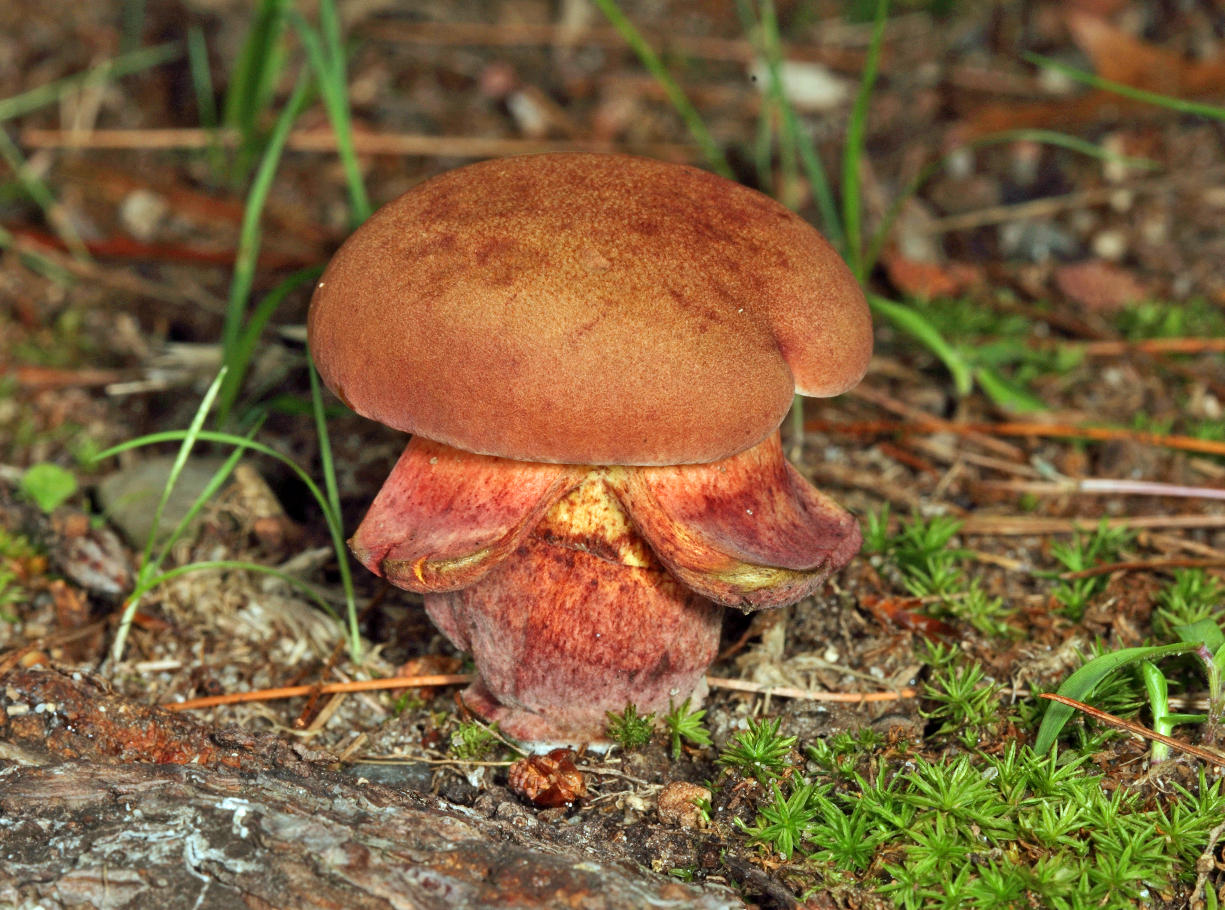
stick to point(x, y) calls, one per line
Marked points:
point(593, 354)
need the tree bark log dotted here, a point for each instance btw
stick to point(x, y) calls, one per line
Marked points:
point(104, 803)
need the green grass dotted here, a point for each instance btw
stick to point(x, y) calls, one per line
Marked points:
point(472, 740)
point(676, 96)
point(921, 555)
point(252, 84)
point(48, 485)
point(149, 571)
point(759, 750)
point(684, 725)
point(1017, 829)
point(16, 552)
point(1194, 318)
point(1084, 551)
point(250, 106)
point(1192, 596)
point(962, 699)
point(629, 729)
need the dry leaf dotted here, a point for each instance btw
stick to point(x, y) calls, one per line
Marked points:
point(1099, 286)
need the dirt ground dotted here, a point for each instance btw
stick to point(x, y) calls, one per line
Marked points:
point(1043, 265)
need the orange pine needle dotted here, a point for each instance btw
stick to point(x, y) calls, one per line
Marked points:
point(1139, 729)
point(360, 685)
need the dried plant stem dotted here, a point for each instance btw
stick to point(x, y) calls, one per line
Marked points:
point(453, 679)
point(1146, 565)
point(324, 141)
point(1099, 486)
point(1034, 526)
point(924, 423)
point(1140, 730)
point(360, 685)
point(1051, 205)
point(1148, 346)
point(743, 685)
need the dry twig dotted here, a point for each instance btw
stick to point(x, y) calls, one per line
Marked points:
point(1140, 730)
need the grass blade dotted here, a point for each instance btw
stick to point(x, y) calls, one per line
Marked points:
point(329, 481)
point(226, 439)
point(147, 565)
point(1169, 102)
point(331, 516)
point(1008, 396)
point(220, 476)
point(914, 324)
point(794, 138)
point(1080, 685)
point(123, 65)
point(202, 85)
point(689, 114)
point(254, 80)
point(43, 198)
point(243, 351)
point(327, 59)
point(249, 241)
point(856, 138)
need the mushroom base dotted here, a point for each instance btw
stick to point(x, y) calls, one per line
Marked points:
point(580, 620)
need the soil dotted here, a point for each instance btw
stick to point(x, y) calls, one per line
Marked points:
point(1066, 257)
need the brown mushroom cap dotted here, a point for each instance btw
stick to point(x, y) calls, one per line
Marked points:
point(587, 309)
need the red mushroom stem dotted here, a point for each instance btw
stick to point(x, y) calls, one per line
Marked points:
point(579, 589)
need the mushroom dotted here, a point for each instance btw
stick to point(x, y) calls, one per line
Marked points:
point(593, 354)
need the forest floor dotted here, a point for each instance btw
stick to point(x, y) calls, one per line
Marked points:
point(1047, 487)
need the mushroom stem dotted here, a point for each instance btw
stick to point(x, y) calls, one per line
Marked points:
point(580, 620)
point(579, 589)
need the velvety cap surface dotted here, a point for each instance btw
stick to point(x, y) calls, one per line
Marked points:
point(589, 309)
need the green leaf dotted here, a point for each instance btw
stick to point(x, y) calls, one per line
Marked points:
point(1006, 394)
point(48, 485)
point(856, 140)
point(1205, 632)
point(915, 324)
point(1169, 102)
point(1081, 684)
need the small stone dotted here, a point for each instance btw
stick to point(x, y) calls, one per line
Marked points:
point(808, 86)
point(1036, 241)
point(1110, 244)
point(130, 496)
point(141, 212)
point(677, 804)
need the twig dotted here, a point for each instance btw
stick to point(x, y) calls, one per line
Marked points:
point(360, 685)
point(1206, 864)
point(1147, 346)
point(1101, 434)
point(925, 422)
point(1145, 565)
point(922, 422)
point(1140, 730)
point(30, 376)
point(1033, 526)
point(743, 685)
point(324, 140)
point(1098, 486)
point(452, 679)
point(1044, 208)
point(120, 279)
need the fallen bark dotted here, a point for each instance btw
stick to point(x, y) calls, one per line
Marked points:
point(229, 819)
